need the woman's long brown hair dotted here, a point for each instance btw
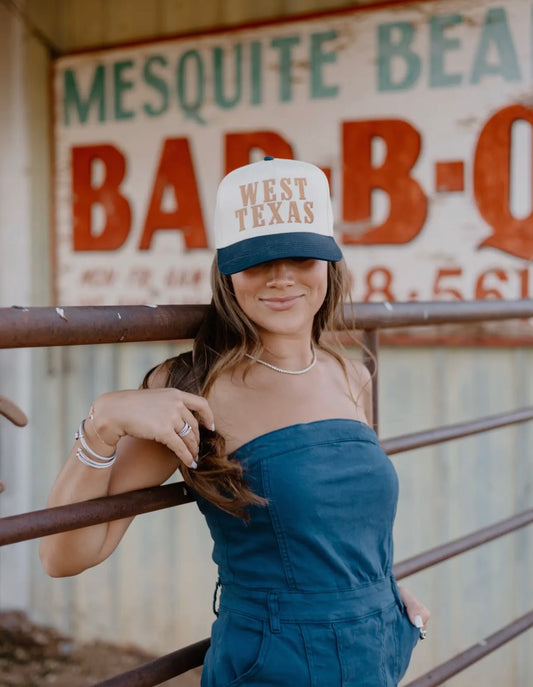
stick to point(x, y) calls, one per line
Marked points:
point(225, 336)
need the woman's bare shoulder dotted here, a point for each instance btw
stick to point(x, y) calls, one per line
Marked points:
point(158, 377)
point(361, 383)
point(358, 371)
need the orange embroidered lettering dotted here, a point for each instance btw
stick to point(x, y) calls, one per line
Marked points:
point(286, 189)
point(257, 214)
point(268, 190)
point(301, 182)
point(241, 214)
point(294, 213)
point(249, 193)
point(309, 214)
point(276, 217)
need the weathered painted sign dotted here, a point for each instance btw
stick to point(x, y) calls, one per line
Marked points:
point(421, 114)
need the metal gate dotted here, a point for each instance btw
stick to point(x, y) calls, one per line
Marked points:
point(40, 327)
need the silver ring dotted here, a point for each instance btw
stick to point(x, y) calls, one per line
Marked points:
point(184, 430)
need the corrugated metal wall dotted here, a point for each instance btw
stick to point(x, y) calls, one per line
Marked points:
point(15, 280)
point(156, 589)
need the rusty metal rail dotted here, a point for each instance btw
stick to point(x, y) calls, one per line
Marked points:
point(462, 544)
point(40, 523)
point(80, 325)
point(438, 435)
point(475, 653)
point(161, 669)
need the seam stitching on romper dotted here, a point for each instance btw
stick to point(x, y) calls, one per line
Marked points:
point(339, 654)
point(278, 531)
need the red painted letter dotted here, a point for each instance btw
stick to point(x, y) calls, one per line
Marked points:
point(177, 172)
point(85, 195)
point(492, 184)
point(408, 203)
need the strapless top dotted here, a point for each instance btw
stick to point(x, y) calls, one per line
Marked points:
point(332, 494)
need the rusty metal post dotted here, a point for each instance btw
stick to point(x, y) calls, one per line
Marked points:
point(370, 359)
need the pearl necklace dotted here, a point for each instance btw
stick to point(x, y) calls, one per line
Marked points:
point(280, 369)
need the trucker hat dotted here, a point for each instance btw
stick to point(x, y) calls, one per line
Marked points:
point(273, 209)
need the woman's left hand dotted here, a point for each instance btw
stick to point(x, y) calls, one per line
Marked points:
point(414, 608)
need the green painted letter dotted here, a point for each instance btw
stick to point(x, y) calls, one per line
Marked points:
point(120, 86)
point(439, 45)
point(496, 33)
point(255, 73)
point(157, 83)
point(83, 107)
point(191, 106)
point(400, 48)
point(285, 47)
point(319, 58)
point(218, 63)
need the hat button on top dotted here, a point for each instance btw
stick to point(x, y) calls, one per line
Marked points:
point(268, 157)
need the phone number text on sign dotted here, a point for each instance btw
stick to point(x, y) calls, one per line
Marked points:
point(380, 283)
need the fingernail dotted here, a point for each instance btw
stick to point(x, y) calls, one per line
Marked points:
point(213, 427)
point(194, 465)
point(418, 621)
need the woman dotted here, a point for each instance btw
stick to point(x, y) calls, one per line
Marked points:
point(269, 425)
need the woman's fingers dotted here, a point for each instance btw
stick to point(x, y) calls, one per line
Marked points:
point(200, 405)
point(163, 414)
point(182, 451)
point(417, 613)
point(185, 424)
point(188, 433)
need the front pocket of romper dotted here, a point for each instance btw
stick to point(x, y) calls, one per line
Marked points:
point(239, 649)
point(360, 648)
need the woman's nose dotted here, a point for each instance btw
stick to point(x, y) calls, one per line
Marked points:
point(281, 271)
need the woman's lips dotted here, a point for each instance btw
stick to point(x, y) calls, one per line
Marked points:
point(280, 303)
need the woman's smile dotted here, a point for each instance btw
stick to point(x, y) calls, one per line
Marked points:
point(282, 302)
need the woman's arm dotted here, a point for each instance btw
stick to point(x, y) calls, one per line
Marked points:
point(143, 425)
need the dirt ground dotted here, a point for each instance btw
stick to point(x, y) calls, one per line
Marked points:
point(37, 656)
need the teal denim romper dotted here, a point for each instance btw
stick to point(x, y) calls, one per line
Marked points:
point(308, 598)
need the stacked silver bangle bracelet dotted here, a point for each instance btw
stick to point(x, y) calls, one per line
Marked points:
point(87, 456)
